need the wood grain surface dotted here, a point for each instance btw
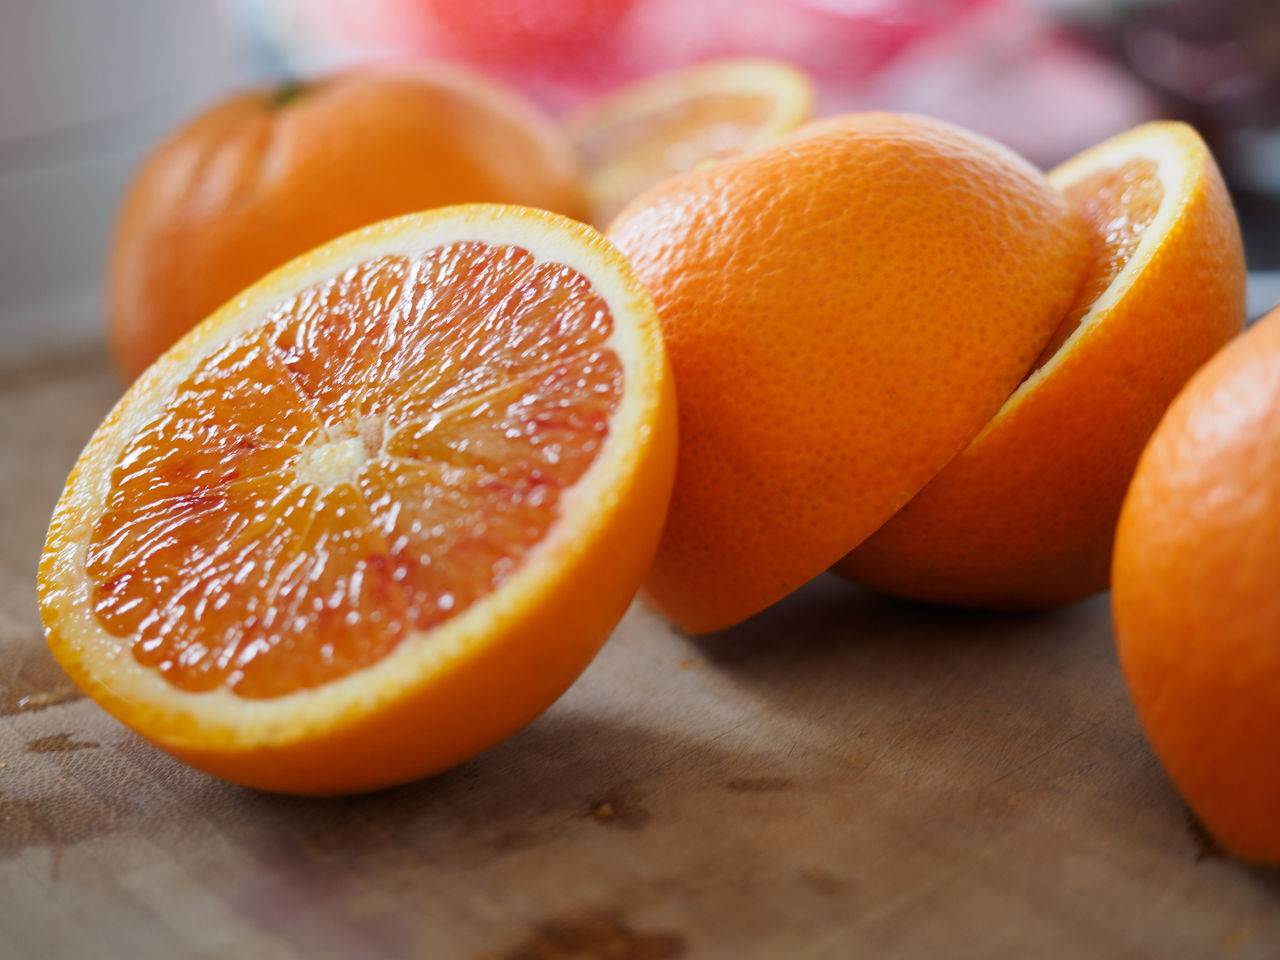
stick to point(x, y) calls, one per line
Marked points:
point(842, 776)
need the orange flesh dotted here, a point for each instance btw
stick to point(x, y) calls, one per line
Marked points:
point(373, 458)
point(1119, 205)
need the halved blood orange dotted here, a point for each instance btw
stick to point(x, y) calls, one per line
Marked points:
point(634, 137)
point(1025, 516)
point(376, 513)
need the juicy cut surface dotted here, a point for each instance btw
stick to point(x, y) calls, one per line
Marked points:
point(1119, 204)
point(376, 455)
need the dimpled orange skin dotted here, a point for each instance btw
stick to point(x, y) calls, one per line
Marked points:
point(1194, 598)
point(844, 311)
point(269, 174)
point(1024, 518)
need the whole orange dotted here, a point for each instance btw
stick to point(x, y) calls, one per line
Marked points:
point(269, 174)
point(844, 310)
point(1195, 599)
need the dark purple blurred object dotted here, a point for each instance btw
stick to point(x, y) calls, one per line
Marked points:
point(1219, 57)
point(1217, 63)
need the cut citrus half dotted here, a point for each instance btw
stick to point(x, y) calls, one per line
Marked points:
point(376, 513)
point(1025, 516)
point(632, 138)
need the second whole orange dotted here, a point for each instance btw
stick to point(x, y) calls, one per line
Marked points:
point(268, 174)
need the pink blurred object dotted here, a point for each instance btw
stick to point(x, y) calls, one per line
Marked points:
point(997, 66)
point(1012, 74)
point(562, 51)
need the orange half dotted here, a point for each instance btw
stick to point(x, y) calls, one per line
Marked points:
point(376, 513)
point(632, 138)
point(1025, 516)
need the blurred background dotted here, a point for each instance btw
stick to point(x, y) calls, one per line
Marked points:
point(87, 86)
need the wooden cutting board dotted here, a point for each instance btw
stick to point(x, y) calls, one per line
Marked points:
point(840, 776)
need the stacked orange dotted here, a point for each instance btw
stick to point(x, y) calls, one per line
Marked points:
point(884, 317)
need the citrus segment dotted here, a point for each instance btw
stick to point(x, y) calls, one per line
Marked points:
point(635, 137)
point(333, 471)
point(1194, 599)
point(844, 311)
point(1025, 516)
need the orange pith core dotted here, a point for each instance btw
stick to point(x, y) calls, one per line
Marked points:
point(1119, 205)
point(371, 459)
point(705, 127)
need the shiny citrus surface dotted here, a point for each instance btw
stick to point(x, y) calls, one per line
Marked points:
point(389, 481)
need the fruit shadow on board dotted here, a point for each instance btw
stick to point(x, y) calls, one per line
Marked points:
point(522, 793)
point(998, 717)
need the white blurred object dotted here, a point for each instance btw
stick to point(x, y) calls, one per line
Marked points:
point(86, 86)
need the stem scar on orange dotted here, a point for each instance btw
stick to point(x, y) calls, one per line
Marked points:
point(377, 512)
point(844, 310)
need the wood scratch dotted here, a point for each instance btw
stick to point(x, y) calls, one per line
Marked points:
point(1036, 759)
